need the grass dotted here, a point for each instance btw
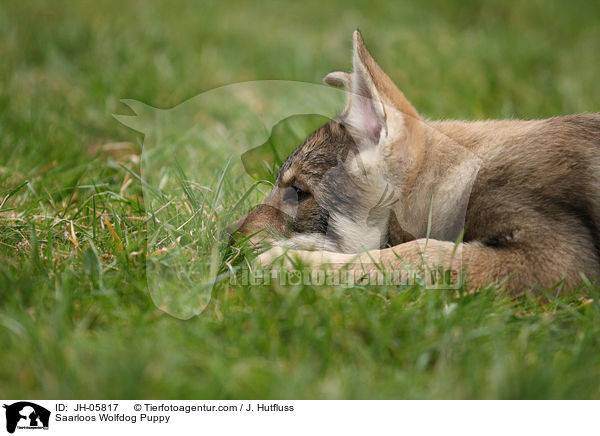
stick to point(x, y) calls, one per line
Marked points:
point(76, 317)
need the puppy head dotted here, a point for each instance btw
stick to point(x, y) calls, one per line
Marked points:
point(336, 191)
point(294, 208)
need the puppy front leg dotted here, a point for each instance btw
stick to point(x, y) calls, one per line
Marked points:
point(412, 254)
point(521, 268)
point(305, 257)
point(517, 267)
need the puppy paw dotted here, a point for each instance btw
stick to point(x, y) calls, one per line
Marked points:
point(281, 256)
point(268, 257)
point(287, 258)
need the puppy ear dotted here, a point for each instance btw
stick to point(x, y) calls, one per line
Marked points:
point(338, 79)
point(365, 112)
point(376, 108)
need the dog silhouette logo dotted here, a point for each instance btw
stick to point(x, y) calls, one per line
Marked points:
point(26, 415)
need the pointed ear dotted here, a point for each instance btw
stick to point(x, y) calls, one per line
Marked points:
point(376, 108)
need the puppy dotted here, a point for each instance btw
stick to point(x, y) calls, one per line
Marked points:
point(382, 187)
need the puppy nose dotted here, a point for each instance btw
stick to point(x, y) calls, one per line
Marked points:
point(232, 229)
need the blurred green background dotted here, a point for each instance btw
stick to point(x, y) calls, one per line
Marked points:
point(75, 317)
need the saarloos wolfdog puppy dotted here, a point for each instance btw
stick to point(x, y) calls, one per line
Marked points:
point(516, 202)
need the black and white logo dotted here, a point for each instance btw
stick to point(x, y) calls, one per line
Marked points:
point(26, 415)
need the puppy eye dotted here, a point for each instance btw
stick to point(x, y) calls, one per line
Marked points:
point(301, 194)
point(295, 195)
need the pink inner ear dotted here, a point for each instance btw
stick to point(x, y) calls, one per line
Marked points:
point(366, 115)
point(372, 124)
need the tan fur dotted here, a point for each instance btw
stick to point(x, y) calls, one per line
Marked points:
point(527, 193)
